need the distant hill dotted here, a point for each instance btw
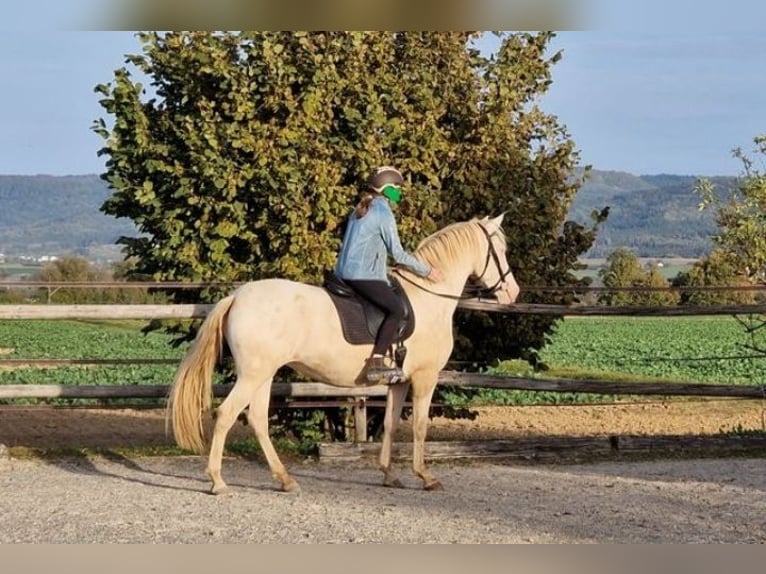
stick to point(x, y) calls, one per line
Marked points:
point(58, 215)
point(653, 215)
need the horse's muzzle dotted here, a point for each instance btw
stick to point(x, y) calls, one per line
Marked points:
point(507, 293)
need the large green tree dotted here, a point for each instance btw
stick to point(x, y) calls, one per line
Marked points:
point(243, 156)
point(632, 283)
point(718, 271)
point(740, 255)
point(741, 215)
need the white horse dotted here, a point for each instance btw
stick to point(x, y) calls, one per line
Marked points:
point(275, 322)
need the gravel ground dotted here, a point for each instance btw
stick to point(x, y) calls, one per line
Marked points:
point(164, 500)
point(151, 499)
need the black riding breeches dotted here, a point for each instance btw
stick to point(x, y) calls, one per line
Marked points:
point(382, 295)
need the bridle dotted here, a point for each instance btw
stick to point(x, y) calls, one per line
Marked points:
point(491, 253)
point(475, 291)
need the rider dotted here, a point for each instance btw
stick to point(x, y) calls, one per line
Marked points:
point(370, 237)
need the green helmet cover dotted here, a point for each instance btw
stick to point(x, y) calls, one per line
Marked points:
point(393, 193)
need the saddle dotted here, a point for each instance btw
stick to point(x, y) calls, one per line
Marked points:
point(360, 318)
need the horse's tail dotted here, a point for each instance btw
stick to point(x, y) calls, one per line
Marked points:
point(192, 391)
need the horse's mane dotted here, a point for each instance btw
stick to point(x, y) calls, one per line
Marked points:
point(450, 243)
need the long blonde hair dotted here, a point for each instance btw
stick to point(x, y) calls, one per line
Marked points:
point(363, 206)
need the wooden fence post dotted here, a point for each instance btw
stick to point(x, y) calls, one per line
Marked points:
point(360, 420)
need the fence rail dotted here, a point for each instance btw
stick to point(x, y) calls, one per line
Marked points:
point(448, 378)
point(580, 289)
point(200, 310)
point(133, 391)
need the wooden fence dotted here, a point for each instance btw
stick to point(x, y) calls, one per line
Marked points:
point(199, 311)
point(358, 397)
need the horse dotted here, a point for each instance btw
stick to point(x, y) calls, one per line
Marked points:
point(271, 323)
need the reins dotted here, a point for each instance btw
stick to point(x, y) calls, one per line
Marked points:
point(427, 290)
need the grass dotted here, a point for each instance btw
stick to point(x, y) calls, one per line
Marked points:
point(18, 272)
point(632, 350)
point(517, 368)
point(691, 349)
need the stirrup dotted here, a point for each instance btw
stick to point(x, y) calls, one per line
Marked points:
point(378, 372)
point(387, 375)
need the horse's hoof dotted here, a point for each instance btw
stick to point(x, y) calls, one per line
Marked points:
point(393, 483)
point(219, 489)
point(291, 486)
point(433, 486)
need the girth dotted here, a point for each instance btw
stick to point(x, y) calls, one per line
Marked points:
point(361, 318)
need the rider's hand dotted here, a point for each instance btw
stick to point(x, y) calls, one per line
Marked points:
point(435, 275)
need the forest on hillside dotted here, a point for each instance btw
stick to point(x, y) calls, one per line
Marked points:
point(57, 215)
point(652, 215)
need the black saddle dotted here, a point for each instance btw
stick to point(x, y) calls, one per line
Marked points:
point(360, 318)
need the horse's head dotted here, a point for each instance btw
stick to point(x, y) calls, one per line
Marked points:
point(472, 249)
point(491, 268)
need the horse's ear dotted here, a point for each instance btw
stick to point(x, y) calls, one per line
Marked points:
point(498, 221)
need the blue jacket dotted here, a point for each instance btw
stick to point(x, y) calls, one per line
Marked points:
point(367, 243)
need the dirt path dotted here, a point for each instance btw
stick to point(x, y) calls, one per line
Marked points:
point(49, 427)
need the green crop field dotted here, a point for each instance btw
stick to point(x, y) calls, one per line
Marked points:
point(86, 340)
point(711, 350)
point(693, 349)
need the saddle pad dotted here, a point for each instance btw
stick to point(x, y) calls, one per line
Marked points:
point(360, 319)
point(353, 320)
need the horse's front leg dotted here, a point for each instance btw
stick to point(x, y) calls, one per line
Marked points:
point(394, 403)
point(423, 385)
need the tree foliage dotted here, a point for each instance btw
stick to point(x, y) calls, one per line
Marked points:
point(740, 258)
point(715, 270)
point(73, 269)
point(623, 270)
point(242, 158)
point(741, 215)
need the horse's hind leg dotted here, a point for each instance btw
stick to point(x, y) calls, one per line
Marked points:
point(423, 385)
point(258, 418)
point(225, 416)
point(394, 403)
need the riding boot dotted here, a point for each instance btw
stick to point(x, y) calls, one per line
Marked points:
point(376, 371)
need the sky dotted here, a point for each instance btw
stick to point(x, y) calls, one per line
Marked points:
point(646, 87)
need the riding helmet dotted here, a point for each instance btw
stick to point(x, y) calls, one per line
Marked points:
point(383, 176)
